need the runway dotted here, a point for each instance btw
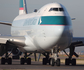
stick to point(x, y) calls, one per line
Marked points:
point(38, 66)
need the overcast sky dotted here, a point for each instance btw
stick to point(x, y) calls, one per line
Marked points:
point(9, 10)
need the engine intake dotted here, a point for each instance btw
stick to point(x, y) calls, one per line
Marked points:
point(16, 52)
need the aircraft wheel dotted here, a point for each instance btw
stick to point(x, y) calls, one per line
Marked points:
point(49, 60)
point(9, 61)
point(22, 61)
point(52, 62)
point(73, 62)
point(67, 61)
point(3, 61)
point(44, 61)
point(28, 61)
point(58, 62)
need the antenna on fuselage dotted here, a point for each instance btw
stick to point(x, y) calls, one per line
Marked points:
point(73, 18)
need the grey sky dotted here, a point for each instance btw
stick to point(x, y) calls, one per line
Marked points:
point(9, 10)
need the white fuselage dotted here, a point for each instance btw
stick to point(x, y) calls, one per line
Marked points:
point(44, 29)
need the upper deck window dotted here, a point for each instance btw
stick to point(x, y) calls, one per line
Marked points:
point(56, 9)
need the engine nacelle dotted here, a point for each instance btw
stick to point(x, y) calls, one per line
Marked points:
point(2, 49)
point(16, 52)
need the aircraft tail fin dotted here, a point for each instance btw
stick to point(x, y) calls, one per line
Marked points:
point(22, 7)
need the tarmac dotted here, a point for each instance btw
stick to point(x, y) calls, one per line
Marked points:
point(38, 66)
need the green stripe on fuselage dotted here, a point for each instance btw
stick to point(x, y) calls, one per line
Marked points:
point(21, 3)
point(53, 20)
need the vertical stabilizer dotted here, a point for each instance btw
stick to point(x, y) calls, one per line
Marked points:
point(23, 7)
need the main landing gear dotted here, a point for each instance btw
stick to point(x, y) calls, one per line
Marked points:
point(6, 60)
point(25, 59)
point(71, 60)
point(47, 59)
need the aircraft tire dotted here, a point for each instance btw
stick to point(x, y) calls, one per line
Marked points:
point(67, 61)
point(52, 62)
point(28, 61)
point(9, 61)
point(58, 62)
point(44, 61)
point(2, 61)
point(22, 61)
point(49, 61)
point(73, 62)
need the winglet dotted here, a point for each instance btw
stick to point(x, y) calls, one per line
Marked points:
point(23, 7)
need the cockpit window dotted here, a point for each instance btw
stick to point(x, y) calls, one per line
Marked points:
point(53, 9)
point(56, 9)
point(61, 9)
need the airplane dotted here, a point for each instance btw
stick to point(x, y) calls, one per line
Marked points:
point(46, 31)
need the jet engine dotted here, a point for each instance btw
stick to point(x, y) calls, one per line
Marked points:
point(16, 52)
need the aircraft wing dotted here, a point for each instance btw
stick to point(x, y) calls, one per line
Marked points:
point(12, 42)
point(78, 41)
point(6, 23)
point(4, 39)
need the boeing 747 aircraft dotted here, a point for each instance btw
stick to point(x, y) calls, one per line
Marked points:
point(46, 31)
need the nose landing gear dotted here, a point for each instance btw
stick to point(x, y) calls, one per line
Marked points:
point(53, 60)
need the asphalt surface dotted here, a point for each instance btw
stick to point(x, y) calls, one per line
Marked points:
point(38, 66)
